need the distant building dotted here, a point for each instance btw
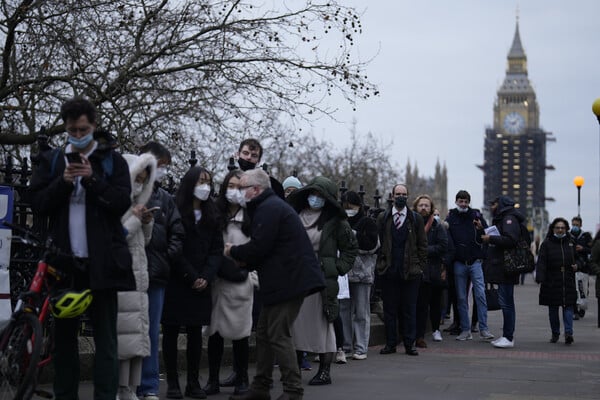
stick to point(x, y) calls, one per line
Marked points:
point(515, 147)
point(436, 186)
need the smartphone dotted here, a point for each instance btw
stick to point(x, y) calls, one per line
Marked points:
point(73, 158)
point(152, 209)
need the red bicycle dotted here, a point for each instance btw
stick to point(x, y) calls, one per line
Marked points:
point(26, 342)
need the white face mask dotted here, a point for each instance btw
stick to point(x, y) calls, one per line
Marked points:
point(137, 189)
point(243, 201)
point(233, 196)
point(161, 172)
point(437, 218)
point(202, 192)
point(351, 213)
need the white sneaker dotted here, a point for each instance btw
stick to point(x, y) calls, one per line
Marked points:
point(503, 343)
point(340, 357)
point(464, 335)
point(125, 393)
point(437, 336)
point(150, 397)
point(357, 356)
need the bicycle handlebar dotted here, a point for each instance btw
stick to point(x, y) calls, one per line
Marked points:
point(32, 239)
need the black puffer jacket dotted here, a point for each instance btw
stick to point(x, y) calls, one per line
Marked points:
point(167, 236)
point(437, 248)
point(508, 221)
point(555, 273)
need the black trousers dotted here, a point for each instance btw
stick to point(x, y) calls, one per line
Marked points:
point(215, 354)
point(193, 352)
point(399, 298)
point(429, 303)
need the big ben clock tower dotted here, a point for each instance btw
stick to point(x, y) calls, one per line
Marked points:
point(515, 147)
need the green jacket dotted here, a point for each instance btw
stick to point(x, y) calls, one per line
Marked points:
point(595, 265)
point(415, 252)
point(338, 246)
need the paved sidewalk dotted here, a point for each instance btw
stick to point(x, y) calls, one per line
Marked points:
point(534, 369)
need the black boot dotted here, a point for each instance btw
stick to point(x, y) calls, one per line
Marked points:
point(242, 383)
point(173, 389)
point(323, 377)
point(212, 387)
point(215, 353)
point(193, 390)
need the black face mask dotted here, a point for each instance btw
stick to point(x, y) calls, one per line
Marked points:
point(245, 165)
point(400, 202)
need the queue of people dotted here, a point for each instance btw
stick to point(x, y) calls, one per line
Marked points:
point(205, 261)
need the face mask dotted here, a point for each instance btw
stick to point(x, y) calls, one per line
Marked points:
point(560, 235)
point(316, 202)
point(242, 201)
point(161, 172)
point(245, 165)
point(202, 191)
point(575, 230)
point(233, 196)
point(462, 209)
point(137, 189)
point(81, 143)
point(351, 213)
point(437, 218)
point(400, 202)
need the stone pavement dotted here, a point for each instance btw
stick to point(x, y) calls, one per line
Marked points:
point(534, 369)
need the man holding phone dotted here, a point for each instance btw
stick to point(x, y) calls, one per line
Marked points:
point(466, 227)
point(84, 204)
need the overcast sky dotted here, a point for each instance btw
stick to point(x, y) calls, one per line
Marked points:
point(439, 63)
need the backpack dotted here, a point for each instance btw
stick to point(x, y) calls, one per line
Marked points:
point(107, 163)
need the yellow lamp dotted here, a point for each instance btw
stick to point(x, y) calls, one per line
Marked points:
point(578, 181)
point(596, 108)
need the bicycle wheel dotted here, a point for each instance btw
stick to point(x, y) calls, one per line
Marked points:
point(20, 347)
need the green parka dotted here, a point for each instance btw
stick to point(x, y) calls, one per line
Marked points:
point(338, 247)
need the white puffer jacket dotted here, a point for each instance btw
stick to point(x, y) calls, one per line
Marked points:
point(132, 319)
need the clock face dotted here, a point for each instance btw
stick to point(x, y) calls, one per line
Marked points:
point(514, 123)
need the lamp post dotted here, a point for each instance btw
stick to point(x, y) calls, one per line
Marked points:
point(578, 181)
point(596, 111)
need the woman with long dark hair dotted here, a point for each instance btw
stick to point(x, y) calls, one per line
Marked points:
point(188, 299)
point(555, 271)
point(232, 291)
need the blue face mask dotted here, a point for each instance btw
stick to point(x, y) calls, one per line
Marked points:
point(82, 142)
point(316, 202)
point(575, 230)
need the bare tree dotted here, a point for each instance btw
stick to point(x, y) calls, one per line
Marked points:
point(183, 72)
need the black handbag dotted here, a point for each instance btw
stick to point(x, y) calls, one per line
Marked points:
point(491, 297)
point(518, 260)
point(231, 272)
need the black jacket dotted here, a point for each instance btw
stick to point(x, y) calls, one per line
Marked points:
point(468, 246)
point(584, 239)
point(437, 248)
point(508, 221)
point(554, 272)
point(107, 198)
point(201, 258)
point(280, 251)
point(167, 237)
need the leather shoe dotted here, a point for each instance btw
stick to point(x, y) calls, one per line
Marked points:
point(387, 350)
point(212, 388)
point(452, 327)
point(251, 395)
point(411, 351)
point(195, 392)
point(421, 343)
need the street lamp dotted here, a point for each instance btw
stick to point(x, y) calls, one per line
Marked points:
point(578, 181)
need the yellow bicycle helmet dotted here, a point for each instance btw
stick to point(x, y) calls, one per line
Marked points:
point(70, 303)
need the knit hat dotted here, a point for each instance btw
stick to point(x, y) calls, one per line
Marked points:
point(291, 181)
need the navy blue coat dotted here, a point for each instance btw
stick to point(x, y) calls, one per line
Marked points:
point(508, 221)
point(468, 246)
point(280, 251)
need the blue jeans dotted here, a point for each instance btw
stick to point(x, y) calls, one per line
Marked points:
point(462, 272)
point(356, 318)
point(506, 297)
point(150, 364)
point(567, 315)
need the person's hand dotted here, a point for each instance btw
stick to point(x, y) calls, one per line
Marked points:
point(227, 250)
point(147, 216)
point(578, 247)
point(200, 284)
point(138, 210)
point(477, 224)
point(485, 238)
point(73, 170)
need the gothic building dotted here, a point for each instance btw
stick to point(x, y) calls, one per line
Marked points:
point(515, 146)
point(436, 186)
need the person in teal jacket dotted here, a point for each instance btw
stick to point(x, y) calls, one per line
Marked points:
point(336, 248)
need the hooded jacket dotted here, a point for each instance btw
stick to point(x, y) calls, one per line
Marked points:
point(467, 244)
point(132, 317)
point(508, 220)
point(338, 247)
